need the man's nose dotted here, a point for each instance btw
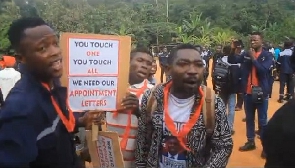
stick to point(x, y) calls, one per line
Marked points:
point(192, 70)
point(54, 50)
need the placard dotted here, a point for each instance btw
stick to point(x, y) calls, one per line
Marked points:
point(105, 150)
point(94, 71)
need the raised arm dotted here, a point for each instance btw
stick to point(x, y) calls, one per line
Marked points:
point(263, 66)
point(142, 147)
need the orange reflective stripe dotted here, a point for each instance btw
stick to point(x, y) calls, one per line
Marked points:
point(68, 123)
point(128, 128)
point(181, 135)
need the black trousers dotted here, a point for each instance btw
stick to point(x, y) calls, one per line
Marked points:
point(240, 100)
point(286, 79)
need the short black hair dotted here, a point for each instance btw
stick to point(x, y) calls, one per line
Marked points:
point(16, 30)
point(241, 43)
point(258, 34)
point(140, 50)
point(173, 54)
point(288, 44)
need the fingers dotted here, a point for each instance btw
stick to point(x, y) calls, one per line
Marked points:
point(130, 101)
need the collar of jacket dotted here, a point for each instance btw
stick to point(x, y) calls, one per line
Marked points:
point(33, 82)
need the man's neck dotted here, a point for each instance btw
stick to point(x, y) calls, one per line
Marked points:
point(258, 49)
point(49, 82)
point(180, 93)
point(135, 81)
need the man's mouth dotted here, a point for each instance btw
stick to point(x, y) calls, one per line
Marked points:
point(56, 64)
point(142, 74)
point(191, 83)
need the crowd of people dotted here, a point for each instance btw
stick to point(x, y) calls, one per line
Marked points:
point(179, 123)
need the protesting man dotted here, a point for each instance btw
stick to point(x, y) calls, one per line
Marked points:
point(36, 126)
point(125, 121)
point(256, 84)
point(178, 112)
point(163, 56)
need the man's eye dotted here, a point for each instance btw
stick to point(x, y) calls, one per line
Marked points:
point(200, 64)
point(42, 49)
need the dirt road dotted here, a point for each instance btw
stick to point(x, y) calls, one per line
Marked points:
point(252, 158)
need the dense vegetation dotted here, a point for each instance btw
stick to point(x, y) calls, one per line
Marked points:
point(159, 21)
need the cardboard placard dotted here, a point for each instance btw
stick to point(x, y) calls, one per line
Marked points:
point(104, 149)
point(96, 70)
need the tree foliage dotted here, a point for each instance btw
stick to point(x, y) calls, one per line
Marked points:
point(159, 21)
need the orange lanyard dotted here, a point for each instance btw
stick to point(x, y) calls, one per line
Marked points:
point(181, 135)
point(139, 92)
point(125, 136)
point(68, 123)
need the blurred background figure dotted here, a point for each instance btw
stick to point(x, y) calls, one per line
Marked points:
point(8, 76)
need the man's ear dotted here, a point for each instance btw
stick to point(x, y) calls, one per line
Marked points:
point(20, 58)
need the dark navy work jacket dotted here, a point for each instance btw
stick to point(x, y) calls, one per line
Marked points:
point(284, 62)
point(31, 133)
point(234, 85)
point(263, 65)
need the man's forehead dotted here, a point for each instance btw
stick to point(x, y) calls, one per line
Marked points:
point(255, 36)
point(188, 52)
point(39, 32)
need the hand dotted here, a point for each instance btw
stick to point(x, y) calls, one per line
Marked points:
point(130, 101)
point(92, 116)
point(252, 53)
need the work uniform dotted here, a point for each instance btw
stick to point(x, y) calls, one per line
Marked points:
point(286, 73)
point(31, 132)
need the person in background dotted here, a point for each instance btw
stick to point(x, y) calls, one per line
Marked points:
point(256, 84)
point(37, 128)
point(8, 76)
point(217, 55)
point(277, 52)
point(240, 96)
point(206, 55)
point(229, 94)
point(271, 48)
point(286, 72)
point(163, 56)
point(153, 71)
point(141, 61)
point(2, 64)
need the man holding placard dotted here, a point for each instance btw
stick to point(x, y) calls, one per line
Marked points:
point(125, 122)
point(36, 126)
